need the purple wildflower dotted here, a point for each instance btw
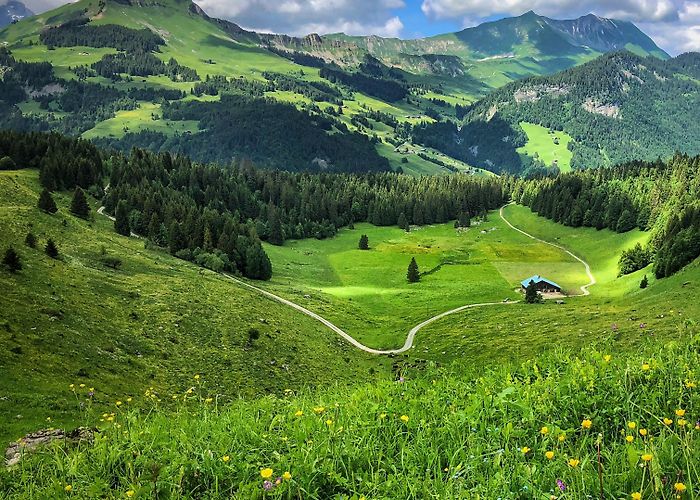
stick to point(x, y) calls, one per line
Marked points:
point(401, 380)
point(642, 325)
point(561, 484)
point(267, 485)
point(91, 394)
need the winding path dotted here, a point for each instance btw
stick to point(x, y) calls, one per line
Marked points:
point(408, 344)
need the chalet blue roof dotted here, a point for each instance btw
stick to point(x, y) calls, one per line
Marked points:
point(538, 279)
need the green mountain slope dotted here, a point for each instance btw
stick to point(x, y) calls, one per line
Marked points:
point(618, 108)
point(353, 100)
point(153, 322)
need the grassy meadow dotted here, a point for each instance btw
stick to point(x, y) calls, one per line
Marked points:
point(150, 323)
point(548, 147)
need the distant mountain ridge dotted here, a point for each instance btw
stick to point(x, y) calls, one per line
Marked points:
point(13, 11)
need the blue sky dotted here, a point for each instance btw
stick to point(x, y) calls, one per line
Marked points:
point(673, 24)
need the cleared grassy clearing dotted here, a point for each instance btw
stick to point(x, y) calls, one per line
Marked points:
point(548, 147)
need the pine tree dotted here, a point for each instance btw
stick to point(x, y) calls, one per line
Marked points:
point(364, 242)
point(257, 263)
point(403, 222)
point(413, 274)
point(644, 283)
point(464, 220)
point(51, 249)
point(121, 224)
point(12, 260)
point(79, 205)
point(532, 296)
point(30, 240)
point(275, 232)
point(46, 202)
point(208, 242)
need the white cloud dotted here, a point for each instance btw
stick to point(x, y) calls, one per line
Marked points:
point(301, 17)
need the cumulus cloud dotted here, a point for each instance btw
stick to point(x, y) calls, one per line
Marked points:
point(301, 17)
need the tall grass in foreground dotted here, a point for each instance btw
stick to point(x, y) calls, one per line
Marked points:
point(584, 425)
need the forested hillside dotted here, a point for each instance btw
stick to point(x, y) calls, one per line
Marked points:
point(618, 108)
point(661, 197)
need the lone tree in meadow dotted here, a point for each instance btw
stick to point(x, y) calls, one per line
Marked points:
point(644, 283)
point(79, 205)
point(413, 274)
point(403, 222)
point(51, 249)
point(532, 296)
point(257, 263)
point(46, 202)
point(30, 240)
point(121, 223)
point(12, 260)
point(364, 242)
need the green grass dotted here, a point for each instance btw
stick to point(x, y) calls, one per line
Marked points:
point(148, 324)
point(474, 433)
point(140, 119)
point(367, 292)
point(543, 145)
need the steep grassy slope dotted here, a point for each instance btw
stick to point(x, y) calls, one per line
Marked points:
point(151, 323)
point(600, 422)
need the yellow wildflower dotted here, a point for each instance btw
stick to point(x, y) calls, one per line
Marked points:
point(129, 400)
point(68, 488)
point(607, 358)
point(679, 487)
point(208, 400)
point(298, 413)
point(549, 455)
point(225, 458)
point(586, 424)
point(690, 384)
point(544, 430)
point(82, 386)
point(329, 422)
point(72, 386)
point(636, 496)
point(629, 439)
point(682, 422)
point(319, 409)
point(647, 457)
point(643, 432)
point(668, 421)
point(130, 493)
point(382, 416)
point(266, 473)
point(196, 377)
point(573, 462)
point(118, 403)
point(404, 418)
point(525, 450)
point(680, 412)
point(632, 425)
point(562, 438)
point(287, 476)
point(646, 367)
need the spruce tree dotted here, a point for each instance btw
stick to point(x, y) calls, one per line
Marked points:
point(532, 296)
point(46, 202)
point(413, 274)
point(644, 283)
point(51, 249)
point(12, 260)
point(257, 263)
point(79, 205)
point(403, 222)
point(275, 233)
point(364, 242)
point(121, 224)
point(30, 240)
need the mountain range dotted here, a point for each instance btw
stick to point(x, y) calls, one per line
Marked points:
point(13, 11)
point(166, 76)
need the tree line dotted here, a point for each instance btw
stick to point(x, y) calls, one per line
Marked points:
point(660, 196)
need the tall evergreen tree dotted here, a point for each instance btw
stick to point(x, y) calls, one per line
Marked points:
point(413, 274)
point(403, 222)
point(12, 260)
point(46, 202)
point(257, 263)
point(644, 283)
point(363, 243)
point(532, 296)
point(121, 224)
point(274, 223)
point(79, 205)
point(51, 249)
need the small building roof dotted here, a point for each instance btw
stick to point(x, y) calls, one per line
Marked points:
point(538, 279)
